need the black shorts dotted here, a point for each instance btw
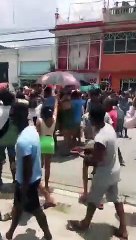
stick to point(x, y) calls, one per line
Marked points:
point(31, 202)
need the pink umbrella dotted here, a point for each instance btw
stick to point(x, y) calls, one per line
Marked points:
point(58, 78)
point(3, 86)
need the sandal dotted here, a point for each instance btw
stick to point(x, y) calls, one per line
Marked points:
point(78, 226)
point(101, 206)
point(49, 205)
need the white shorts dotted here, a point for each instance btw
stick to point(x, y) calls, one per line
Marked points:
point(99, 189)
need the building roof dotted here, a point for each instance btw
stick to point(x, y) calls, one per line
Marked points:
point(3, 47)
point(78, 25)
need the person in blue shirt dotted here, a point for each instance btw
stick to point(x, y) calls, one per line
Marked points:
point(78, 110)
point(28, 172)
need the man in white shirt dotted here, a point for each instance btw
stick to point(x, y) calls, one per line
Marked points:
point(105, 181)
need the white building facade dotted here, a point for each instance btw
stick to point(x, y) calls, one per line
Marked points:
point(26, 65)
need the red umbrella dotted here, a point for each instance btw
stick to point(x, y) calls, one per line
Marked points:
point(58, 78)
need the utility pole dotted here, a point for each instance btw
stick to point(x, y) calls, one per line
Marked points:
point(13, 16)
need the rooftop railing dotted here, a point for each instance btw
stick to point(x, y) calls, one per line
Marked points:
point(122, 10)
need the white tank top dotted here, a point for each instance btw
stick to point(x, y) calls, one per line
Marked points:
point(47, 131)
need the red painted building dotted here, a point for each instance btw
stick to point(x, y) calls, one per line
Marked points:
point(95, 50)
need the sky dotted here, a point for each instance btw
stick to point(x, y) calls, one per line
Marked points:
point(16, 15)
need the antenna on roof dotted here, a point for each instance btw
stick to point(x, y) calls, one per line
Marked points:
point(56, 15)
point(104, 4)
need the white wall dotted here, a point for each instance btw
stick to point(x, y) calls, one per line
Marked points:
point(44, 53)
point(14, 57)
point(10, 56)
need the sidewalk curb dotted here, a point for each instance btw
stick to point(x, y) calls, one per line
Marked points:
point(60, 191)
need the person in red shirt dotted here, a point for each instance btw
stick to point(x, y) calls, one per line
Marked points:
point(111, 107)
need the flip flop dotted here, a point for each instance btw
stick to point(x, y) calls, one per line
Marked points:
point(74, 225)
point(49, 205)
point(101, 206)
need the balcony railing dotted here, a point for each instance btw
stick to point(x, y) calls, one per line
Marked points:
point(122, 13)
point(122, 10)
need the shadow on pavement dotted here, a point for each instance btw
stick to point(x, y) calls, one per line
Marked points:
point(65, 158)
point(98, 231)
point(6, 191)
point(29, 235)
point(130, 219)
point(24, 219)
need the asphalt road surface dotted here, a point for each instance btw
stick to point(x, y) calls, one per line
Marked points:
point(66, 172)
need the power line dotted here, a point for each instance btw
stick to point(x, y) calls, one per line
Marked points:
point(24, 31)
point(47, 38)
point(95, 37)
point(26, 40)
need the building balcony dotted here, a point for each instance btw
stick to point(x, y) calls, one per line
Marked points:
point(122, 13)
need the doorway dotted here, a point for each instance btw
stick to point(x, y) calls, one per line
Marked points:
point(4, 72)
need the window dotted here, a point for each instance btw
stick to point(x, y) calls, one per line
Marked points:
point(131, 45)
point(109, 43)
point(78, 53)
point(34, 67)
point(120, 46)
point(62, 53)
point(62, 56)
point(108, 46)
point(122, 42)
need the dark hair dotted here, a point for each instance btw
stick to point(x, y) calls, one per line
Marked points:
point(46, 112)
point(19, 114)
point(48, 91)
point(97, 113)
point(75, 94)
point(94, 92)
point(114, 102)
point(33, 100)
point(20, 95)
point(7, 97)
point(108, 104)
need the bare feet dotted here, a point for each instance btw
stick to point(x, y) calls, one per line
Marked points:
point(121, 233)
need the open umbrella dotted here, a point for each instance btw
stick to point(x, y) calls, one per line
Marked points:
point(3, 86)
point(58, 78)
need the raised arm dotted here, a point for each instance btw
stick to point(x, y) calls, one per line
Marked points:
point(55, 109)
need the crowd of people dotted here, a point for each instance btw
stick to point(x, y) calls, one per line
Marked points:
point(30, 122)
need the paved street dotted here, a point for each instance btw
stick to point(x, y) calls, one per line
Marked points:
point(66, 173)
point(102, 227)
